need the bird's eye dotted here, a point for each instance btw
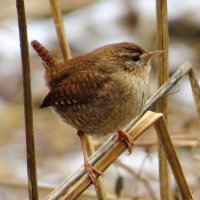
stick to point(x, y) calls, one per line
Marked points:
point(135, 58)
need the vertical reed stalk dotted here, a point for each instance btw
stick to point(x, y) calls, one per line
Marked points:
point(162, 72)
point(30, 147)
point(60, 29)
point(67, 55)
point(171, 155)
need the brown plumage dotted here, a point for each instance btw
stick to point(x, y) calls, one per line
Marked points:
point(99, 92)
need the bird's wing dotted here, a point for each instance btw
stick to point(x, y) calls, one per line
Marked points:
point(80, 88)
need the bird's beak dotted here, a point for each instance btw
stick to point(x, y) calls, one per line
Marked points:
point(149, 55)
point(156, 53)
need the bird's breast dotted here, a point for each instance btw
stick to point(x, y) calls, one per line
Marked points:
point(110, 113)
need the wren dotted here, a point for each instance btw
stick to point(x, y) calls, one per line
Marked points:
point(99, 92)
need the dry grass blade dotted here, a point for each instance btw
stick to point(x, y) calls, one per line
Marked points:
point(77, 183)
point(30, 147)
point(143, 179)
point(195, 90)
point(172, 158)
point(162, 91)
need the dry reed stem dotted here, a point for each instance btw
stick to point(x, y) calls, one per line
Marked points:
point(171, 155)
point(28, 114)
point(162, 74)
point(77, 183)
point(100, 190)
point(69, 182)
point(195, 90)
point(162, 44)
point(62, 36)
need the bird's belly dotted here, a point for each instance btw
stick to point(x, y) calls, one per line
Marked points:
point(104, 116)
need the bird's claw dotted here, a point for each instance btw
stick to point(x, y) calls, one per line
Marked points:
point(92, 173)
point(127, 139)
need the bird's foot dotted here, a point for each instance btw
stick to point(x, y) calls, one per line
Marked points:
point(127, 139)
point(92, 173)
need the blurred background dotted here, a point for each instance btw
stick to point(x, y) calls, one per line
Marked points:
point(90, 24)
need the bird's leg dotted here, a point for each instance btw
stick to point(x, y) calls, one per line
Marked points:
point(92, 172)
point(127, 138)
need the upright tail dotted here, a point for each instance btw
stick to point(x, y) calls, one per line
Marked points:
point(53, 67)
point(48, 59)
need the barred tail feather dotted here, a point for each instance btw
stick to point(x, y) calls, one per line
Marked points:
point(44, 53)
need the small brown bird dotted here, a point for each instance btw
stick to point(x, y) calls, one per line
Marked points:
point(99, 92)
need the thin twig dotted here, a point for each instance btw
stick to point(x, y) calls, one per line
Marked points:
point(143, 179)
point(162, 91)
point(195, 90)
point(28, 114)
point(162, 105)
point(170, 152)
point(100, 189)
point(62, 36)
point(64, 187)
